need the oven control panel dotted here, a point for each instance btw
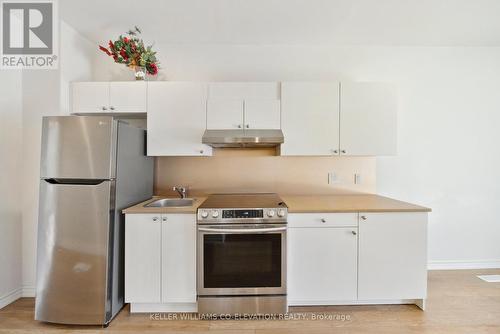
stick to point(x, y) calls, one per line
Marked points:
point(227, 215)
point(243, 213)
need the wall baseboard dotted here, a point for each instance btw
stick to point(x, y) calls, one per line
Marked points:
point(454, 265)
point(10, 297)
point(28, 291)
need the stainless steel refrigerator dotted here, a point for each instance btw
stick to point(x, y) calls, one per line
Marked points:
point(92, 167)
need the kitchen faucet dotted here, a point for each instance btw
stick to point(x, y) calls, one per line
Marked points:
point(181, 190)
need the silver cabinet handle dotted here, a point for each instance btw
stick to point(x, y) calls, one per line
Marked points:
point(323, 220)
point(112, 108)
point(335, 151)
point(201, 151)
point(354, 232)
point(363, 217)
point(104, 108)
point(164, 219)
point(343, 151)
point(239, 126)
point(248, 126)
point(155, 219)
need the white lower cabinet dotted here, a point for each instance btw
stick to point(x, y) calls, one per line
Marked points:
point(351, 258)
point(179, 258)
point(160, 262)
point(322, 265)
point(392, 256)
point(142, 258)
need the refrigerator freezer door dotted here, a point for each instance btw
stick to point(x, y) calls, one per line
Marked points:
point(78, 147)
point(72, 252)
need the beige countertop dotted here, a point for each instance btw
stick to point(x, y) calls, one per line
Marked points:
point(307, 204)
point(140, 208)
point(348, 203)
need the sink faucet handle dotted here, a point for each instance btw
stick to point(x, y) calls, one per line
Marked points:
point(181, 190)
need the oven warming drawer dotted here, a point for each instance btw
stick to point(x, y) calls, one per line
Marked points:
point(242, 305)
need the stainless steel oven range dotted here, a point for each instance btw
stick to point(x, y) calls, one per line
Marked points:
point(242, 254)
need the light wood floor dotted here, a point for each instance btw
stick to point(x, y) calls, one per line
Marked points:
point(458, 303)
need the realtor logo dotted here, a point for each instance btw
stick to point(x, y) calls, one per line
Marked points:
point(29, 34)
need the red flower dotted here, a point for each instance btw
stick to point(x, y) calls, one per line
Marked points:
point(123, 54)
point(111, 45)
point(125, 40)
point(152, 69)
point(103, 49)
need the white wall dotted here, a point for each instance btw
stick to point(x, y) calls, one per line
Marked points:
point(10, 194)
point(46, 93)
point(448, 124)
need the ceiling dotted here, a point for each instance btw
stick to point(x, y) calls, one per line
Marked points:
point(320, 22)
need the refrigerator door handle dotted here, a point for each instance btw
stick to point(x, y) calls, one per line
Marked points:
point(83, 182)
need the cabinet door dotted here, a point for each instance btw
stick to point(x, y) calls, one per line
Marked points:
point(262, 113)
point(224, 113)
point(244, 90)
point(90, 97)
point(310, 118)
point(176, 119)
point(179, 258)
point(368, 119)
point(322, 266)
point(392, 256)
point(142, 258)
point(127, 96)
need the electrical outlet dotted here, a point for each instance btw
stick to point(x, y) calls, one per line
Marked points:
point(332, 178)
point(357, 178)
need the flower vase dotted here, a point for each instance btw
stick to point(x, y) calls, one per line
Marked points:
point(139, 72)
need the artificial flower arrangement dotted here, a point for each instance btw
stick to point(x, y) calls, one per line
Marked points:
point(130, 50)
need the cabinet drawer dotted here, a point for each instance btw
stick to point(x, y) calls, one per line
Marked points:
point(322, 219)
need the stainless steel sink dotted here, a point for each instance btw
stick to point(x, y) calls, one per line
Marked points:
point(171, 202)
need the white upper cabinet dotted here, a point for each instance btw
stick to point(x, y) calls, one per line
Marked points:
point(90, 97)
point(127, 96)
point(224, 113)
point(368, 119)
point(392, 256)
point(177, 119)
point(109, 97)
point(244, 90)
point(310, 118)
point(262, 113)
point(236, 105)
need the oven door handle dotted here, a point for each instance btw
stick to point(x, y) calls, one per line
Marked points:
point(241, 230)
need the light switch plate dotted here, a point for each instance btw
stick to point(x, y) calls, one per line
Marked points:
point(357, 178)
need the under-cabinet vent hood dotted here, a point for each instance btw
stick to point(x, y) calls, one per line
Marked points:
point(243, 138)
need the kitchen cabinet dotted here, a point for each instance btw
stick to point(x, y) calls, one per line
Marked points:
point(331, 118)
point(262, 113)
point(322, 253)
point(143, 253)
point(236, 105)
point(176, 119)
point(310, 118)
point(224, 113)
point(178, 258)
point(368, 119)
point(113, 98)
point(160, 261)
point(392, 256)
point(322, 265)
point(357, 258)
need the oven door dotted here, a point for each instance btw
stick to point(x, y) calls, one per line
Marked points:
point(241, 259)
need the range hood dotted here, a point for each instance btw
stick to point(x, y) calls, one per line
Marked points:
point(243, 138)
